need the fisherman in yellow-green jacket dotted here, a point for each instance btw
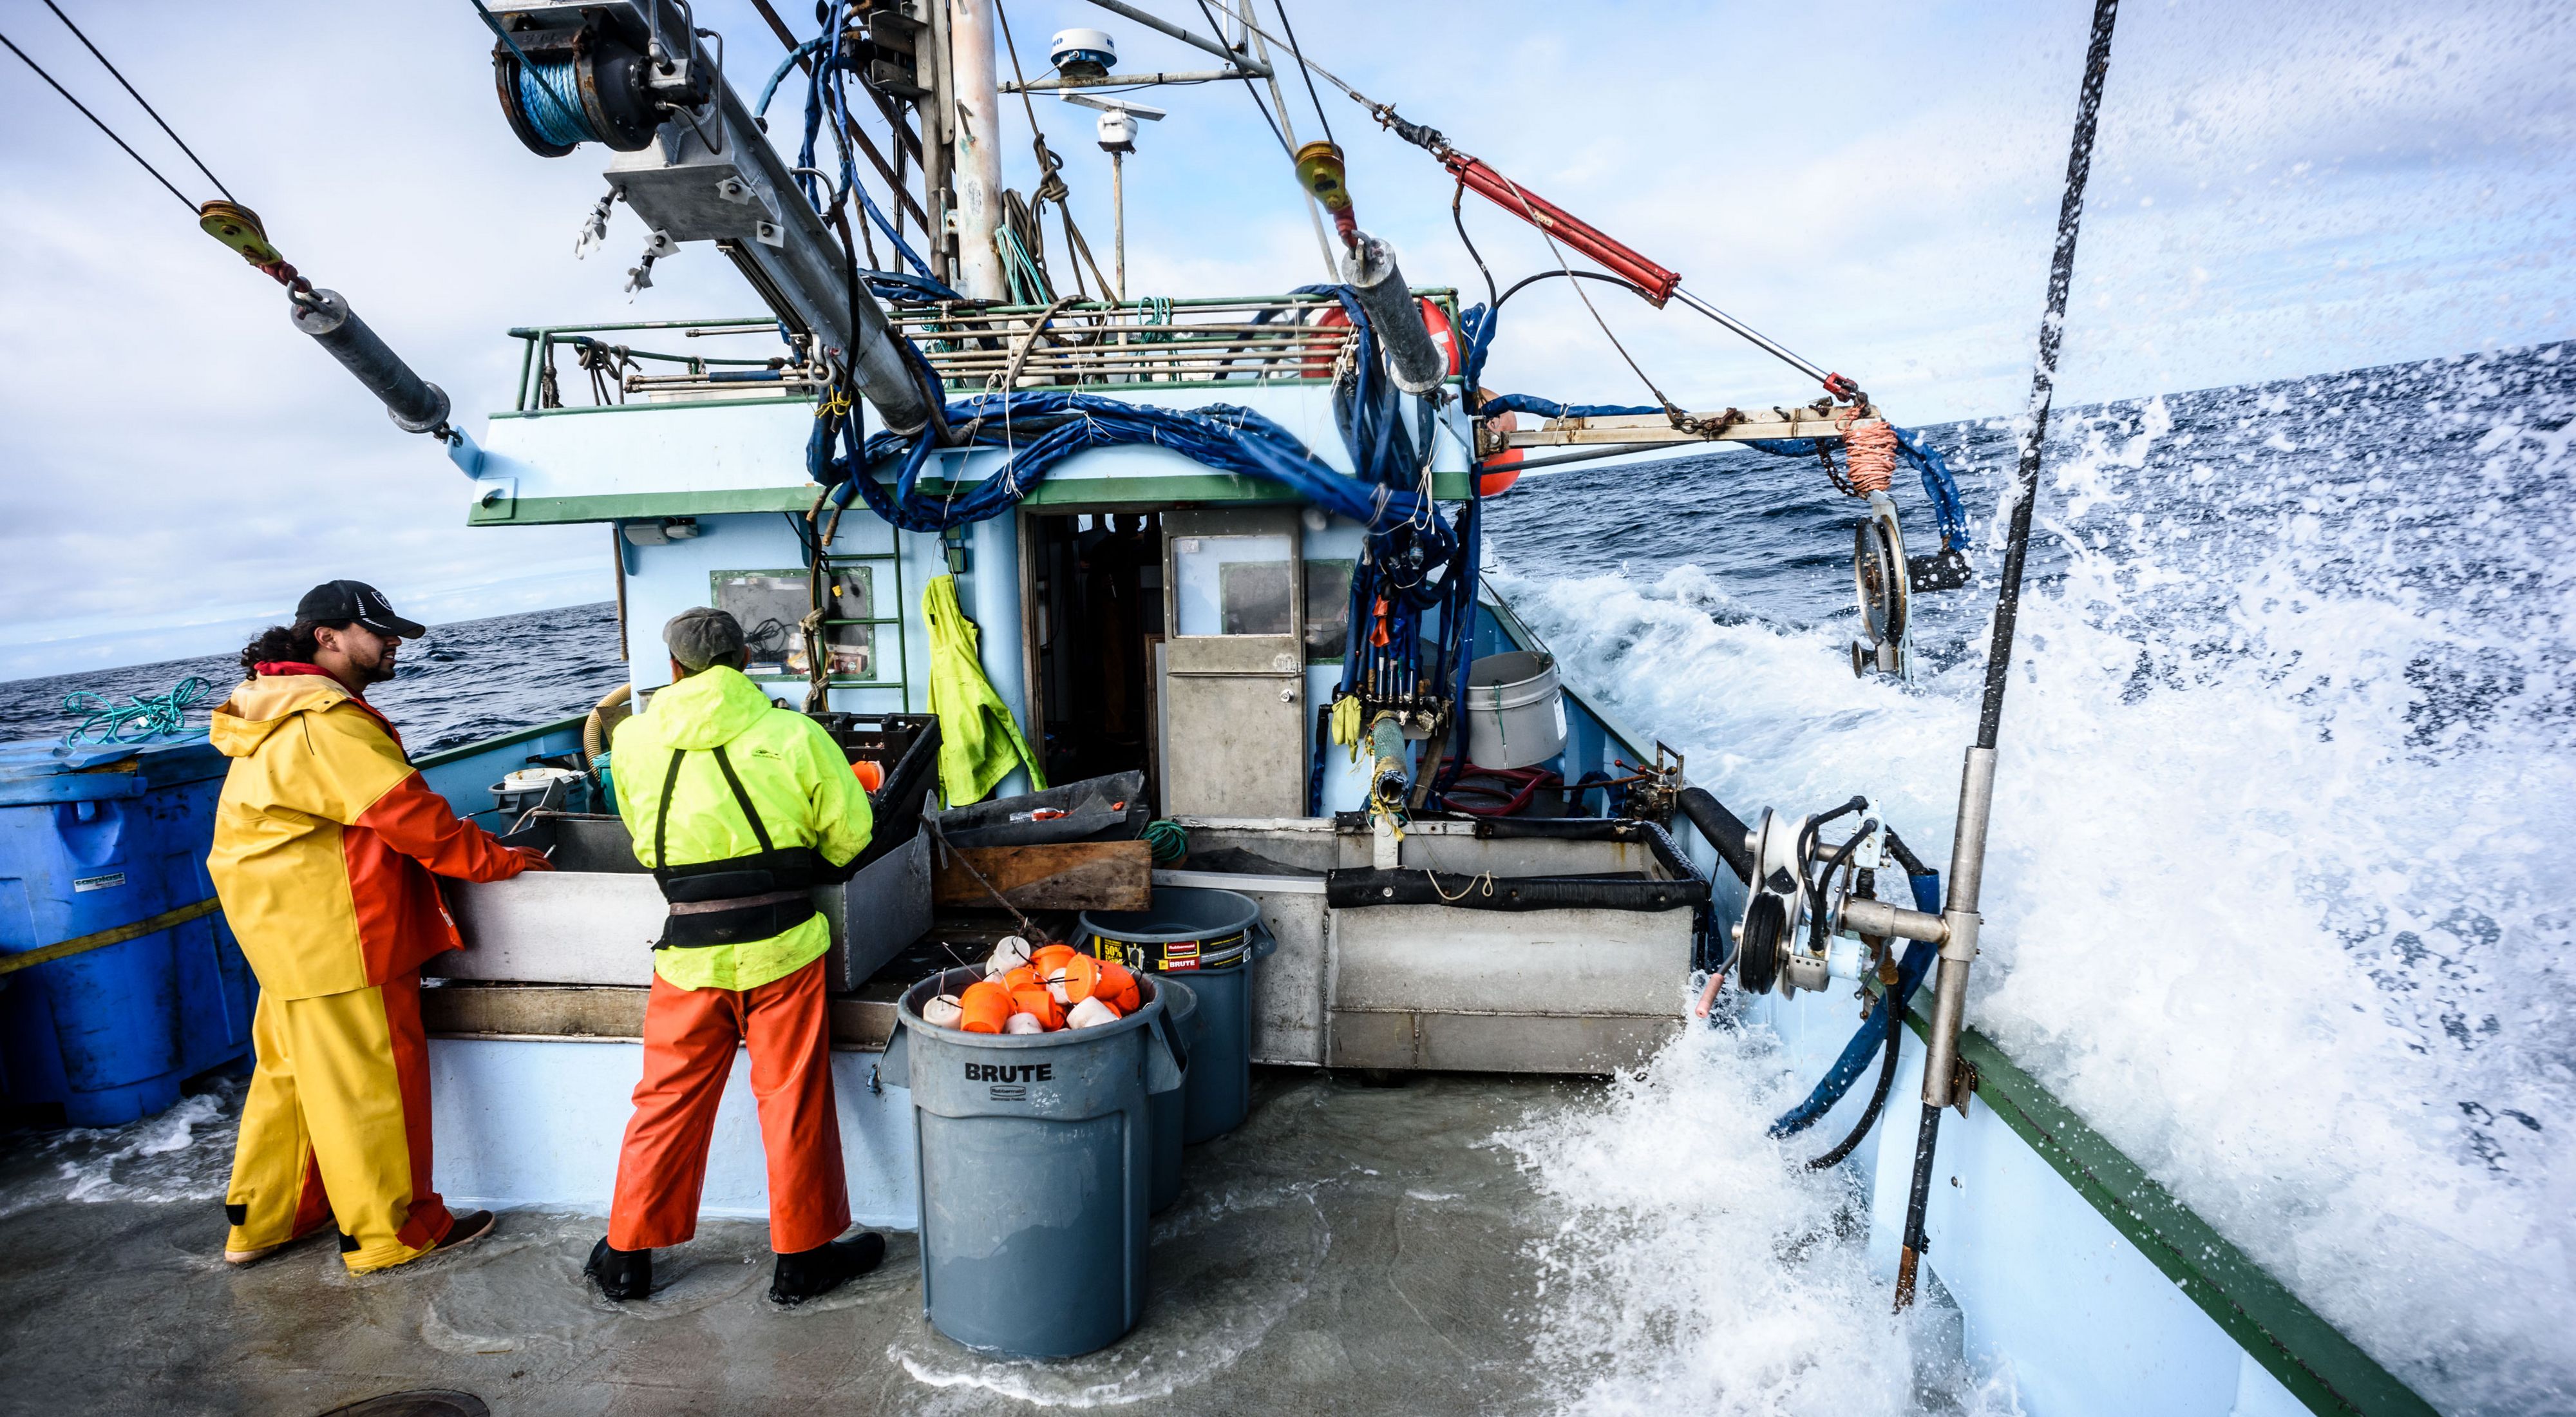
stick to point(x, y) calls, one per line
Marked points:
point(740, 807)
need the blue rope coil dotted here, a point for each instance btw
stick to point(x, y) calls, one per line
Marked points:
point(550, 96)
point(140, 718)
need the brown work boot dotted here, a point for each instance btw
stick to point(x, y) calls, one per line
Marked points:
point(463, 1230)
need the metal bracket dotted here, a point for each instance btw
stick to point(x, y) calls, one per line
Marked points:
point(495, 498)
point(1963, 1081)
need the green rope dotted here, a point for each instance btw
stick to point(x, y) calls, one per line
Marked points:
point(1027, 278)
point(138, 719)
point(1170, 843)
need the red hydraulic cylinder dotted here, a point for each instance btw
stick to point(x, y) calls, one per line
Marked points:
point(1658, 283)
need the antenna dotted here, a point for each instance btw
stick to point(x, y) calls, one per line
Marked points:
point(1118, 138)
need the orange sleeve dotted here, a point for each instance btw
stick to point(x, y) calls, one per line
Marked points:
point(418, 823)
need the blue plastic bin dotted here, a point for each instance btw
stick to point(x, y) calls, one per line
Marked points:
point(93, 837)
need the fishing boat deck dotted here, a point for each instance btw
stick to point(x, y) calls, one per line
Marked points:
point(1350, 1249)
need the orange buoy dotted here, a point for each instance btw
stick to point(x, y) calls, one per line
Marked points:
point(871, 775)
point(1020, 977)
point(1072, 981)
point(1040, 1005)
point(1116, 987)
point(1049, 958)
point(984, 1007)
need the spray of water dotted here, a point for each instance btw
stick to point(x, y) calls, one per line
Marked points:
point(2274, 897)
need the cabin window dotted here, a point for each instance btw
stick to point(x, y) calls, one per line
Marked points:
point(1233, 585)
point(771, 604)
point(1328, 611)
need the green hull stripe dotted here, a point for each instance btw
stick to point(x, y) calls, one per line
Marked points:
point(2310, 1357)
point(452, 755)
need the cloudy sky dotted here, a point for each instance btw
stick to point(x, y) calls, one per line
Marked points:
point(2280, 189)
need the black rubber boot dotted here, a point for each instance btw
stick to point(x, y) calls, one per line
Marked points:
point(620, 1274)
point(807, 1273)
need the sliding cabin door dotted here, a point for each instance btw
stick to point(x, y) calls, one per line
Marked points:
point(1234, 712)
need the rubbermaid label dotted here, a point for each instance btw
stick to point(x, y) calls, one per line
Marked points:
point(109, 881)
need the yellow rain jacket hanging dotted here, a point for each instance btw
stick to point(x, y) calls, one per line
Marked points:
point(979, 741)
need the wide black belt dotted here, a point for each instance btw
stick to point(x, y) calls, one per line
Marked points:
point(739, 898)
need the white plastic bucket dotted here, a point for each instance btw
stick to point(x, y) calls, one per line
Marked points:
point(1515, 710)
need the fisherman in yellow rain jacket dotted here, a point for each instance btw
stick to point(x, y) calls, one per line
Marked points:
point(326, 842)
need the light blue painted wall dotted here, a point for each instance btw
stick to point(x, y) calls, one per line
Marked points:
point(537, 1123)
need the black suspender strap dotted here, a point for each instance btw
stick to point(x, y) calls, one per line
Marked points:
point(758, 832)
point(662, 814)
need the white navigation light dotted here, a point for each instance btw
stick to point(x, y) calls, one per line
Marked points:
point(1083, 54)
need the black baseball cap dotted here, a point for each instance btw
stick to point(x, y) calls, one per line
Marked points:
point(338, 602)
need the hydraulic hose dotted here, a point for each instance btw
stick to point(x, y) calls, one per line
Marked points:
point(1723, 830)
point(1869, 1114)
point(1838, 1079)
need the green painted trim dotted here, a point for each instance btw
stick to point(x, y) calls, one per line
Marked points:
point(1067, 494)
point(454, 755)
point(2310, 1357)
point(799, 402)
point(639, 506)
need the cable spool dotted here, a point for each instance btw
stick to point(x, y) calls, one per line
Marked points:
point(575, 86)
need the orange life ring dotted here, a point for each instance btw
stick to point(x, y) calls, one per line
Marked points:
point(1334, 317)
point(1503, 469)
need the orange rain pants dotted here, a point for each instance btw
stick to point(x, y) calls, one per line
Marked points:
point(337, 1125)
point(689, 1039)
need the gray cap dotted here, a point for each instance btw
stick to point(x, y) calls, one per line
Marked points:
point(699, 637)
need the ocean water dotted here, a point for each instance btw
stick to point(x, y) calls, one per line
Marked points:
point(2277, 895)
point(462, 682)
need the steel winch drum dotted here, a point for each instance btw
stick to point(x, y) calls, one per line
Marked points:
point(1515, 710)
point(1210, 938)
point(1035, 1156)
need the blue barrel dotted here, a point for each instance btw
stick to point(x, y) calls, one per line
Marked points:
point(1210, 938)
point(1171, 1105)
point(94, 837)
point(1036, 1157)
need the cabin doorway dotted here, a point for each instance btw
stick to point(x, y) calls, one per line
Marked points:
point(1095, 617)
point(1234, 663)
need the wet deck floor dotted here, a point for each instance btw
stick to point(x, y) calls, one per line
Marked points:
point(1351, 1249)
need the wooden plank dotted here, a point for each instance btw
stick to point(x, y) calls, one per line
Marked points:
point(601, 1012)
point(1074, 875)
point(1655, 428)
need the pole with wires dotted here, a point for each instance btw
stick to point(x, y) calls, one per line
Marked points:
point(1977, 781)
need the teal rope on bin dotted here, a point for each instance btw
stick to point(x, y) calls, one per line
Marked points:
point(1170, 843)
point(139, 719)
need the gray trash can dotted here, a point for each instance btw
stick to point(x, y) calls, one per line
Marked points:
point(1210, 938)
point(1036, 1159)
point(1171, 1104)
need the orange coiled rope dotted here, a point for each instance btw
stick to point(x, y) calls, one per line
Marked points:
point(1869, 454)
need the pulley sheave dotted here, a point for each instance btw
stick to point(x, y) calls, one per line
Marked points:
point(1880, 585)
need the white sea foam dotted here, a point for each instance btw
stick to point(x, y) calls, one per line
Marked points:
point(2275, 900)
point(182, 1154)
point(1699, 1268)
